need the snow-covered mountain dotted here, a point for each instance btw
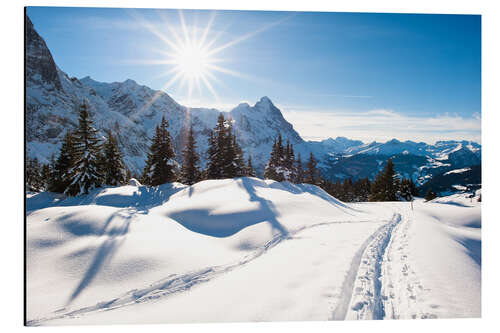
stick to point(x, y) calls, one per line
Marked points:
point(132, 111)
point(417, 160)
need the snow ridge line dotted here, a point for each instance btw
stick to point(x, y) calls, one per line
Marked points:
point(361, 291)
point(174, 284)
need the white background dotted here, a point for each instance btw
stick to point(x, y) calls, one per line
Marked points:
point(11, 122)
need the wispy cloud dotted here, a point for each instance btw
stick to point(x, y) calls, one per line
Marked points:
point(383, 125)
point(341, 95)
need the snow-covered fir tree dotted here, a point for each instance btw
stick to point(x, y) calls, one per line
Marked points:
point(430, 195)
point(289, 162)
point(113, 168)
point(235, 162)
point(225, 156)
point(160, 166)
point(190, 171)
point(214, 167)
point(250, 171)
point(299, 176)
point(312, 175)
point(270, 171)
point(361, 190)
point(46, 174)
point(60, 178)
point(386, 184)
point(85, 173)
point(34, 180)
point(407, 190)
point(281, 165)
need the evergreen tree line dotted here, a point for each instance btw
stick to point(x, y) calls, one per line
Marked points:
point(85, 162)
point(349, 190)
point(224, 157)
point(283, 166)
point(388, 187)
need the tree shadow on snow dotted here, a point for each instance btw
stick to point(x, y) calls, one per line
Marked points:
point(115, 233)
point(145, 197)
point(473, 248)
point(223, 225)
point(313, 190)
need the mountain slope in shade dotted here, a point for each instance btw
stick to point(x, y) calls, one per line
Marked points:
point(466, 179)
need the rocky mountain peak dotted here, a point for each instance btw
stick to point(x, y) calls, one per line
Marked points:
point(40, 66)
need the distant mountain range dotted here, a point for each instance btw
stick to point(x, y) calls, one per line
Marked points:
point(132, 110)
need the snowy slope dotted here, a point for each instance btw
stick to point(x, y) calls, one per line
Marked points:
point(434, 263)
point(276, 251)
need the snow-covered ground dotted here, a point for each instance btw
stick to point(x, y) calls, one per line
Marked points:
point(246, 250)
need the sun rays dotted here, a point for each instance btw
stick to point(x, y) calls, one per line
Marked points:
point(190, 53)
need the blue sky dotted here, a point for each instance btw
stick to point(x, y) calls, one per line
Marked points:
point(364, 76)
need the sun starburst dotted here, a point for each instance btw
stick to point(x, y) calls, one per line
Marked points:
point(189, 52)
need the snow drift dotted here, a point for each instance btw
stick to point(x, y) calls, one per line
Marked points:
point(246, 249)
point(82, 250)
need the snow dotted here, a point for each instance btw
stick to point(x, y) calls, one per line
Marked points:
point(445, 262)
point(457, 171)
point(460, 199)
point(246, 249)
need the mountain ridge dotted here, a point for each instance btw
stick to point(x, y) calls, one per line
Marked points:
point(132, 111)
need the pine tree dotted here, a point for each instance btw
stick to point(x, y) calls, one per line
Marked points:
point(216, 143)
point(312, 173)
point(270, 171)
point(363, 187)
point(281, 165)
point(213, 170)
point(386, 184)
point(232, 154)
point(290, 170)
point(413, 189)
point(34, 180)
point(85, 173)
point(299, 176)
point(113, 168)
point(160, 166)
point(430, 195)
point(46, 174)
point(190, 172)
point(225, 156)
point(250, 171)
point(60, 179)
point(407, 189)
point(348, 190)
point(236, 160)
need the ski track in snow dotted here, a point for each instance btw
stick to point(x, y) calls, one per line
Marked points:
point(401, 286)
point(380, 282)
point(176, 283)
point(362, 296)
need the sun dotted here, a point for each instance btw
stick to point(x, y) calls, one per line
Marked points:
point(190, 53)
point(192, 60)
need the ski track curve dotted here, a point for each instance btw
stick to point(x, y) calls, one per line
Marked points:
point(177, 283)
point(361, 295)
point(401, 285)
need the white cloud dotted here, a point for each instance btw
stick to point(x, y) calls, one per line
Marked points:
point(383, 125)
